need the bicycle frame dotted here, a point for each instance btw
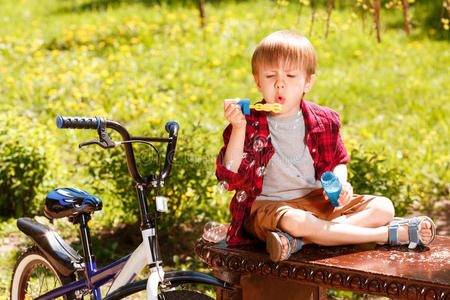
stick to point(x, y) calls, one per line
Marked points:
point(125, 270)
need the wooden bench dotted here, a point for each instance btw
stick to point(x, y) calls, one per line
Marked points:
point(393, 272)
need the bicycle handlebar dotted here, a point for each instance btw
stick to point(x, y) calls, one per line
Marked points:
point(78, 122)
point(99, 123)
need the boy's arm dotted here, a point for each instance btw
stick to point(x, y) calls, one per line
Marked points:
point(341, 172)
point(233, 155)
point(347, 190)
point(230, 158)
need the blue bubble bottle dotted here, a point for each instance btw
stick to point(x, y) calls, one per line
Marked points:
point(332, 187)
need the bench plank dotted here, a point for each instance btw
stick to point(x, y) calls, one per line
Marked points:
point(395, 272)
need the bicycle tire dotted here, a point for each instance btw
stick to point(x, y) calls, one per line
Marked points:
point(25, 284)
point(183, 295)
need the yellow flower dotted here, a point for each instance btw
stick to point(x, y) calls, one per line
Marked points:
point(104, 73)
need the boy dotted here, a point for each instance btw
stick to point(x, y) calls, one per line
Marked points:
point(274, 162)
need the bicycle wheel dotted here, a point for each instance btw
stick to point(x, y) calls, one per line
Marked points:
point(34, 276)
point(183, 295)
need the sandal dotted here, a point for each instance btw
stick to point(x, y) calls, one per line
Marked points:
point(414, 227)
point(275, 247)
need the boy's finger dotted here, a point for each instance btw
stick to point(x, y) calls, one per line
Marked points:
point(236, 116)
point(230, 110)
point(237, 111)
point(236, 100)
point(228, 102)
point(233, 107)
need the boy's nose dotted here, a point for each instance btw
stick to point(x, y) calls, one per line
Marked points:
point(279, 84)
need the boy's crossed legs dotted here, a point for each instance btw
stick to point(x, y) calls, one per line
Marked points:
point(313, 219)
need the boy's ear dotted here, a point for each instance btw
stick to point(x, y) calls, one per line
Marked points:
point(309, 83)
point(257, 82)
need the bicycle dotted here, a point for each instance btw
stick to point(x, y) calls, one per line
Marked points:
point(51, 268)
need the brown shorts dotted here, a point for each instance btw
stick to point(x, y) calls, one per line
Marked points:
point(265, 214)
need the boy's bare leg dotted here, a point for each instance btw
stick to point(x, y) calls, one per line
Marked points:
point(299, 223)
point(377, 212)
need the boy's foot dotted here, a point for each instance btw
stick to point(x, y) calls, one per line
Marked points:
point(280, 245)
point(412, 232)
point(284, 243)
point(425, 232)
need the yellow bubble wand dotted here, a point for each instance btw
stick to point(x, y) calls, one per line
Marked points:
point(245, 106)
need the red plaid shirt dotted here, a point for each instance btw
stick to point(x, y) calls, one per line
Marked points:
point(322, 138)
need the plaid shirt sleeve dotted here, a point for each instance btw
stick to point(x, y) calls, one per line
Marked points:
point(340, 154)
point(246, 183)
point(325, 143)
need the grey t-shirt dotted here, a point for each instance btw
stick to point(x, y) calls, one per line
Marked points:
point(290, 172)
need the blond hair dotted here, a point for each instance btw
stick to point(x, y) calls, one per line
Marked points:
point(288, 47)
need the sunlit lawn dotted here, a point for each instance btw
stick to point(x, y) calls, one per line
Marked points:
point(145, 64)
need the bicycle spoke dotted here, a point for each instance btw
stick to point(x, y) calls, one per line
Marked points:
point(40, 280)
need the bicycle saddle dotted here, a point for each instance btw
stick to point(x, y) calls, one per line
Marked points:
point(66, 202)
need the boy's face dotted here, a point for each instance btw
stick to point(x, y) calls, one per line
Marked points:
point(285, 85)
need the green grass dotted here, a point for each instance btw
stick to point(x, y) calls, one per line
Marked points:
point(142, 63)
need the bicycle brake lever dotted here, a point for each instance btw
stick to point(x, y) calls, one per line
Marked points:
point(97, 142)
point(105, 140)
point(103, 144)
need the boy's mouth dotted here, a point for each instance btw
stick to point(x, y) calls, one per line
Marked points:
point(279, 99)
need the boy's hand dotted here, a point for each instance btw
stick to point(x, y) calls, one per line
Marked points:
point(233, 114)
point(345, 196)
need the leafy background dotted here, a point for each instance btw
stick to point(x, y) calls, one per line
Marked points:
point(143, 63)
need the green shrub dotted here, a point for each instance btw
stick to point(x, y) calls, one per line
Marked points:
point(368, 174)
point(22, 167)
point(192, 190)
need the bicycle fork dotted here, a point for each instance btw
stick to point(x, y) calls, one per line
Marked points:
point(156, 270)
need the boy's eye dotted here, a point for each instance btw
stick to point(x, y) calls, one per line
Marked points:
point(270, 76)
point(291, 75)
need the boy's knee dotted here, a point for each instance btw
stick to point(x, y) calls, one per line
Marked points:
point(295, 222)
point(383, 209)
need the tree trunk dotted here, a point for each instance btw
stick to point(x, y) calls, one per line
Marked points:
point(405, 16)
point(376, 6)
point(313, 13)
point(201, 8)
point(330, 6)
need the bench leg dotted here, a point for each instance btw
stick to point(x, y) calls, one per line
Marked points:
point(262, 288)
point(322, 293)
point(223, 294)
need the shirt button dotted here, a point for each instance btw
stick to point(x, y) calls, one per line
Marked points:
point(314, 150)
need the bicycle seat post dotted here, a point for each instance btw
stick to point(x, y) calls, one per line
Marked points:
point(89, 258)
